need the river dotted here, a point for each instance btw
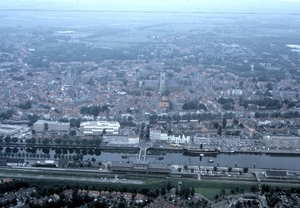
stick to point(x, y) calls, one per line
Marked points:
point(230, 160)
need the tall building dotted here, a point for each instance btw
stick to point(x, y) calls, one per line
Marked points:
point(162, 82)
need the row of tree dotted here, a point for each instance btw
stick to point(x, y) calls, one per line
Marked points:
point(288, 114)
point(7, 114)
point(93, 110)
point(58, 141)
point(194, 105)
point(190, 116)
point(25, 106)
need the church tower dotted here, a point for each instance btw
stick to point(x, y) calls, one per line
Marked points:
point(162, 82)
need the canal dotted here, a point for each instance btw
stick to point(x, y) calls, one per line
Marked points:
point(228, 160)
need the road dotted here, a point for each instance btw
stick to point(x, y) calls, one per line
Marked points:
point(70, 178)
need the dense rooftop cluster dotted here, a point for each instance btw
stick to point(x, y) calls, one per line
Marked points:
point(194, 75)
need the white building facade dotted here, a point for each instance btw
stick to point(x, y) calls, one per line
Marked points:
point(158, 136)
point(98, 127)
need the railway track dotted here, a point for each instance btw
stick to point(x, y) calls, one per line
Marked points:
point(78, 172)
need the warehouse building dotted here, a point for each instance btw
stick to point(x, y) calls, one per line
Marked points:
point(43, 125)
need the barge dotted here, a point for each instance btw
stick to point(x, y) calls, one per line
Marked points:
point(200, 152)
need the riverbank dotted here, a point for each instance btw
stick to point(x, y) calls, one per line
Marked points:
point(266, 152)
point(156, 149)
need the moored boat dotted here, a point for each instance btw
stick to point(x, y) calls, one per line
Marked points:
point(197, 151)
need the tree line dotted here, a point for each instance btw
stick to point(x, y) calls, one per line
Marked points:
point(190, 116)
point(194, 105)
point(288, 114)
point(93, 110)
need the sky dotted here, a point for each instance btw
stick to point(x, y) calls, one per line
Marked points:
point(239, 6)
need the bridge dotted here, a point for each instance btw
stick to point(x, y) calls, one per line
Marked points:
point(143, 150)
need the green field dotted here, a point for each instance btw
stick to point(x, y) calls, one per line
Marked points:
point(210, 189)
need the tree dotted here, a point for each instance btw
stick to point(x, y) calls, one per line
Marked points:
point(95, 110)
point(187, 193)
point(58, 140)
point(72, 133)
point(45, 141)
point(241, 83)
point(104, 131)
point(14, 139)
point(235, 121)
point(245, 104)
point(148, 94)
point(4, 115)
point(220, 130)
point(215, 168)
point(291, 104)
point(84, 141)
point(163, 191)
point(224, 122)
point(253, 189)
point(90, 82)
point(216, 196)
point(28, 141)
point(32, 118)
point(245, 169)
point(75, 122)
point(269, 86)
point(169, 186)
point(239, 204)
point(25, 106)
point(33, 140)
point(64, 141)
point(192, 191)
point(227, 106)
point(7, 139)
point(216, 125)
point(97, 141)
point(229, 169)
point(232, 191)
point(223, 191)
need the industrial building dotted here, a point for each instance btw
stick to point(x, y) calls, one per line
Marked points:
point(43, 125)
point(279, 174)
point(10, 130)
point(151, 168)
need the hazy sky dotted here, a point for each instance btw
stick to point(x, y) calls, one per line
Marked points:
point(274, 6)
